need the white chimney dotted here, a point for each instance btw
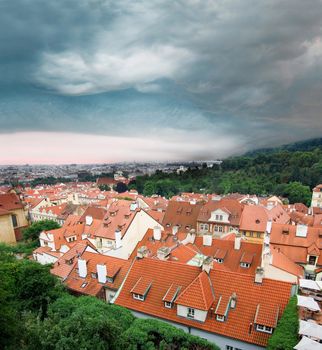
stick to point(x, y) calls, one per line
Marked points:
point(82, 268)
point(133, 206)
point(233, 300)
point(269, 226)
point(175, 230)
point(207, 240)
point(88, 220)
point(101, 273)
point(157, 233)
point(259, 275)
point(301, 230)
point(207, 264)
point(118, 239)
point(237, 242)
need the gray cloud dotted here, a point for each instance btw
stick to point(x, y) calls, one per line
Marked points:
point(246, 69)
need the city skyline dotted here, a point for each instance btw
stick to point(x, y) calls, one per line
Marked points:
point(102, 82)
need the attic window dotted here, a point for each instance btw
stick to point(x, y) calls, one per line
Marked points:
point(84, 285)
point(243, 264)
point(219, 261)
point(110, 279)
point(264, 329)
point(220, 318)
point(168, 305)
point(257, 221)
point(191, 313)
point(138, 297)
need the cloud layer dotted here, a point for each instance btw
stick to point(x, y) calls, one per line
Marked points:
point(203, 71)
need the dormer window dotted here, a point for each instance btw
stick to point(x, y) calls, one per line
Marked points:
point(245, 265)
point(312, 260)
point(138, 297)
point(191, 313)
point(84, 285)
point(220, 318)
point(168, 305)
point(110, 279)
point(219, 261)
point(264, 329)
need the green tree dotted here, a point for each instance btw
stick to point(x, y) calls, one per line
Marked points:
point(32, 232)
point(121, 187)
point(285, 336)
point(148, 334)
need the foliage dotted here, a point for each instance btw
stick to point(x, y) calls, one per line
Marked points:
point(32, 232)
point(104, 187)
point(120, 187)
point(283, 172)
point(148, 334)
point(37, 313)
point(285, 336)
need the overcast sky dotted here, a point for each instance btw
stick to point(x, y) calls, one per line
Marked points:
point(104, 81)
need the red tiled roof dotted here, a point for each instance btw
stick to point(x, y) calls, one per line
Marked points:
point(266, 315)
point(222, 305)
point(232, 206)
point(182, 214)
point(282, 262)
point(198, 294)
point(171, 293)
point(239, 321)
point(10, 201)
point(142, 286)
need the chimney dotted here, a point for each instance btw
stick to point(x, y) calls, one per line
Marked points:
point(82, 268)
point(237, 242)
point(259, 275)
point(163, 253)
point(269, 226)
point(88, 220)
point(117, 239)
point(207, 264)
point(207, 240)
point(142, 252)
point(133, 206)
point(175, 229)
point(233, 300)
point(101, 273)
point(301, 230)
point(157, 233)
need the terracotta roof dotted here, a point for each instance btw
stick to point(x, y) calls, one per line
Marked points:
point(283, 262)
point(182, 214)
point(240, 320)
point(266, 315)
point(94, 212)
point(10, 201)
point(198, 294)
point(142, 286)
point(232, 206)
point(172, 293)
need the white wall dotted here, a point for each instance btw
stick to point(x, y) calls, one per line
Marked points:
point(135, 233)
point(44, 258)
point(200, 315)
point(278, 274)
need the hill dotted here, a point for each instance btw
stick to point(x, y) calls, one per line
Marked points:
point(291, 171)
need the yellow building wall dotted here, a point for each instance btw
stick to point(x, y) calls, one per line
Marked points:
point(21, 217)
point(252, 236)
point(7, 233)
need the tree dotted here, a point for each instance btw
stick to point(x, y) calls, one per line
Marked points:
point(121, 187)
point(298, 193)
point(285, 336)
point(32, 232)
point(148, 334)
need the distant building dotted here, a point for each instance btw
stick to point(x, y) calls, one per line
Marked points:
point(317, 197)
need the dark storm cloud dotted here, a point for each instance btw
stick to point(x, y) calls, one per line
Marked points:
point(248, 70)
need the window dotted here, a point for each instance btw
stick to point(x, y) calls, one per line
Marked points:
point(84, 285)
point(219, 261)
point(264, 329)
point(110, 279)
point(94, 275)
point(251, 234)
point(14, 220)
point(220, 318)
point(258, 235)
point(243, 264)
point(191, 312)
point(312, 260)
point(219, 217)
point(168, 305)
point(228, 347)
point(138, 296)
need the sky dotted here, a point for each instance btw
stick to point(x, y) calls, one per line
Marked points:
point(91, 81)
